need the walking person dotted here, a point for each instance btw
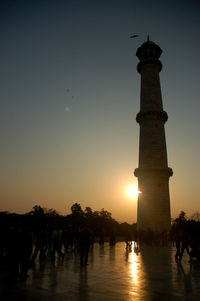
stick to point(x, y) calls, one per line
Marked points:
point(185, 245)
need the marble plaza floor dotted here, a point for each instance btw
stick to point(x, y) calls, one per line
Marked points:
point(112, 274)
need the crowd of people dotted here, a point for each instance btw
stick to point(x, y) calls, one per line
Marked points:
point(21, 246)
point(183, 243)
point(21, 242)
point(185, 234)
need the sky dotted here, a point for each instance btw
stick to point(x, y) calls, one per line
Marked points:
point(70, 93)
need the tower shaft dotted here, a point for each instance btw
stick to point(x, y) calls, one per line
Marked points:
point(153, 172)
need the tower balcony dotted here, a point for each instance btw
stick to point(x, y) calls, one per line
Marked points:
point(153, 172)
point(152, 115)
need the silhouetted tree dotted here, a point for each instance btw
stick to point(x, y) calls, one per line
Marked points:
point(50, 212)
point(37, 211)
point(76, 209)
point(105, 214)
point(88, 212)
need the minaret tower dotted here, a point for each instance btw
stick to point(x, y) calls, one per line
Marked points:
point(153, 172)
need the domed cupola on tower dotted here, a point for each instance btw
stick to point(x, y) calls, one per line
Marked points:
point(148, 52)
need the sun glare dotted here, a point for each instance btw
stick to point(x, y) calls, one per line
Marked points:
point(132, 192)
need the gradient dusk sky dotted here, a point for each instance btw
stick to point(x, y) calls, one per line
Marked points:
point(70, 93)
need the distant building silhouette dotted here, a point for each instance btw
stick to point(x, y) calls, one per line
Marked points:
point(153, 172)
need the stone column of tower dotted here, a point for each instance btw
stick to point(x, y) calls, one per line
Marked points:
point(153, 172)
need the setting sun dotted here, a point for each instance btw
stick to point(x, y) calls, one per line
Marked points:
point(132, 192)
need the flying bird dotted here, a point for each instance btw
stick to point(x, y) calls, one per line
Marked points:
point(134, 36)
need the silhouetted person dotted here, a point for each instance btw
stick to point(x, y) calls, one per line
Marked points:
point(112, 238)
point(49, 239)
point(39, 246)
point(195, 248)
point(92, 240)
point(102, 236)
point(64, 239)
point(85, 239)
point(70, 237)
point(3, 241)
point(12, 252)
point(184, 245)
point(164, 237)
point(128, 240)
point(177, 239)
point(25, 250)
point(57, 243)
point(76, 238)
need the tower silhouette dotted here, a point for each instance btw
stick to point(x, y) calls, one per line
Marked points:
point(153, 172)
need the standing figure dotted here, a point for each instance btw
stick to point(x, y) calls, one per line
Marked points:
point(185, 245)
point(177, 239)
point(85, 240)
point(25, 250)
point(57, 243)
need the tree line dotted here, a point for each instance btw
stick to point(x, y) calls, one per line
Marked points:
point(97, 220)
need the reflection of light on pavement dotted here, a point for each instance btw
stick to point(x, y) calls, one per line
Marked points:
point(133, 261)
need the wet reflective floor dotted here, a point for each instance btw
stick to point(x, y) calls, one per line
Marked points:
point(113, 273)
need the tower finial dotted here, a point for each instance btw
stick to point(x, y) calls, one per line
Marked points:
point(148, 38)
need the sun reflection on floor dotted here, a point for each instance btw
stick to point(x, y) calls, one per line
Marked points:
point(133, 261)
